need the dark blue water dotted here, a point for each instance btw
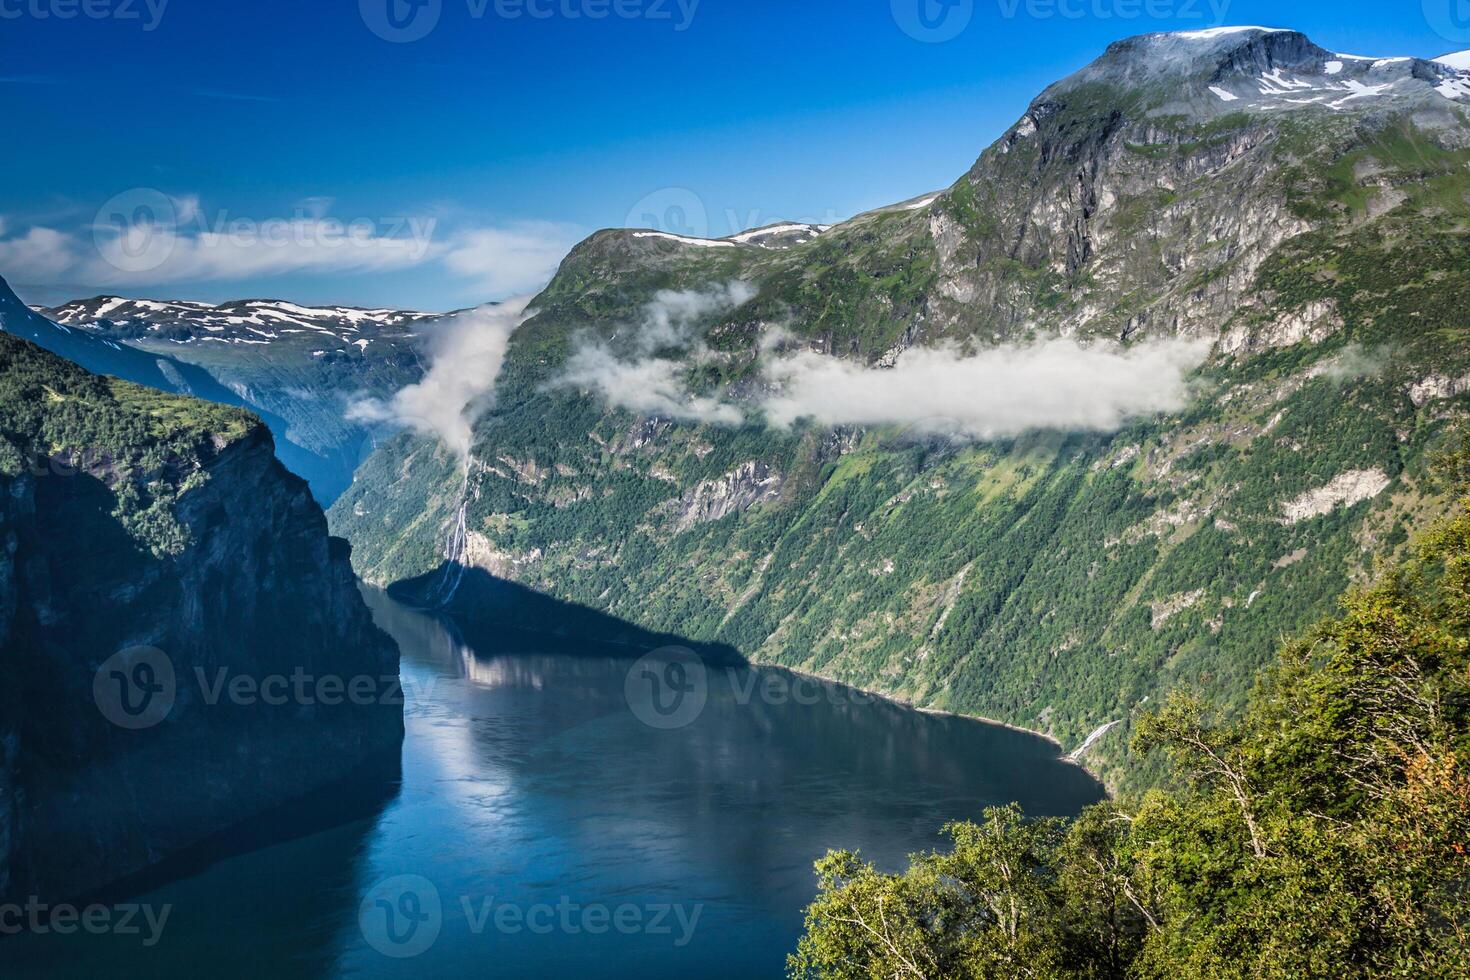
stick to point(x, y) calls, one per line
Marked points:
point(559, 818)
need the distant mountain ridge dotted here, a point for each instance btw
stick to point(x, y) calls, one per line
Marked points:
point(252, 321)
point(298, 366)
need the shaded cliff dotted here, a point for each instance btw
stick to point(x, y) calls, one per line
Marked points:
point(183, 645)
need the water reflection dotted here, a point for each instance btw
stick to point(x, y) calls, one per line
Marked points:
point(528, 782)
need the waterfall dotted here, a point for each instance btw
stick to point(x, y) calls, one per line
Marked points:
point(455, 543)
point(1087, 743)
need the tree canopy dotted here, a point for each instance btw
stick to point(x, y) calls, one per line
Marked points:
point(1321, 833)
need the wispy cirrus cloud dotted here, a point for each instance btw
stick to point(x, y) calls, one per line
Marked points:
point(144, 238)
point(511, 258)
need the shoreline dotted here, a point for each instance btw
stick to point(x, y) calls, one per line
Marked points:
point(1062, 754)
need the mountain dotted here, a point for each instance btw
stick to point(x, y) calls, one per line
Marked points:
point(298, 367)
point(154, 539)
point(251, 321)
point(1296, 215)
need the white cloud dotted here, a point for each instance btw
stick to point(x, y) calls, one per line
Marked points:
point(145, 238)
point(993, 393)
point(1003, 391)
point(459, 387)
point(38, 255)
point(641, 381)
point(669, 320)
point(512, 259)
point(648, 386)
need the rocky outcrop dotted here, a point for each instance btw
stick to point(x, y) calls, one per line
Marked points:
point(160, 688)
point(749, 484)
point(1315, 322)
point(1437, 387)
point(1344, 490)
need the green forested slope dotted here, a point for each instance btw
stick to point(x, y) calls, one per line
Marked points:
point(1053, 580)
point(1324, 834)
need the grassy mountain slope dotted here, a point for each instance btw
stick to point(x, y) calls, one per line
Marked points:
point(1055, 581)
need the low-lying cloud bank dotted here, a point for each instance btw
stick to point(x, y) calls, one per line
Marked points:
point(995, 393)
point(1004, 391)
point(647, 373)
point(466, 357)
point(645, 368)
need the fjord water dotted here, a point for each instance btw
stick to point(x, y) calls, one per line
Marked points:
point(545, 828)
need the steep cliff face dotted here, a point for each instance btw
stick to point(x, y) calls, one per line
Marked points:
point(180, 636)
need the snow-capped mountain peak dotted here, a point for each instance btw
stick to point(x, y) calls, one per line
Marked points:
point(253, 321)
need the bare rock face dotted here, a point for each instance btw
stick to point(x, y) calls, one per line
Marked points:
point(749, 484)
point(156, 696)
point(1343, 490)
point(1437, 387)
point(1316, 321)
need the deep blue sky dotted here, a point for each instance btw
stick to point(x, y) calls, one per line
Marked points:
point(515, 136)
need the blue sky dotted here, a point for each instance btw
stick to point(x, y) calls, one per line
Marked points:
point(296, 153)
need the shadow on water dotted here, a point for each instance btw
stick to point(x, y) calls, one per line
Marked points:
point(533, 776)
point(493, 611)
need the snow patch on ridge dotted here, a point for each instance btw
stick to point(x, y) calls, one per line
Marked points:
point(700, 242)
point(1211, 33)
